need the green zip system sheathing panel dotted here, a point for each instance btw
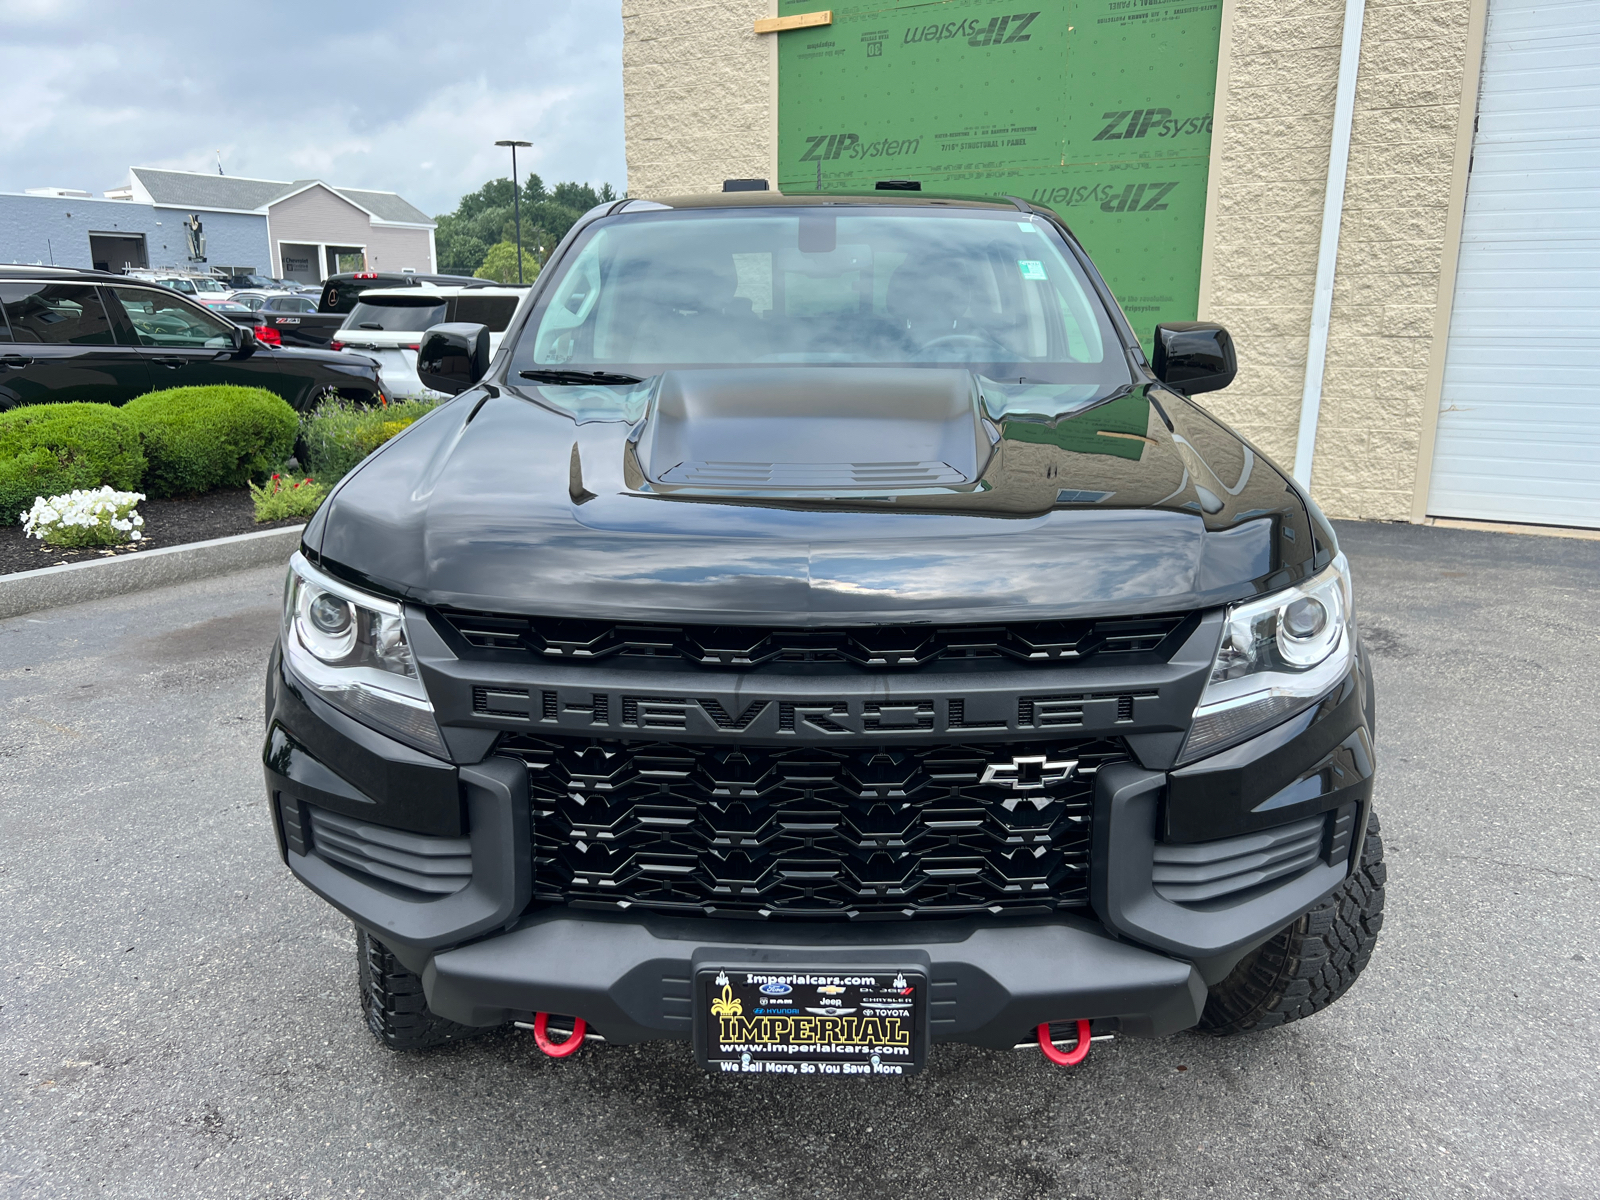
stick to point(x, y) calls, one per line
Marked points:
point(1100, 110)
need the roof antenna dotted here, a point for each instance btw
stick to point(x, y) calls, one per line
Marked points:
point(219, 162)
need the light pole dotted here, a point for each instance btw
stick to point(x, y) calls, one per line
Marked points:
point(516, 197)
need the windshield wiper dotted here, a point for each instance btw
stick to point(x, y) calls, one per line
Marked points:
point(558, 376)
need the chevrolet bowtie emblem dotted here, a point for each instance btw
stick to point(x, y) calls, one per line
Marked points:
point(1031, 772)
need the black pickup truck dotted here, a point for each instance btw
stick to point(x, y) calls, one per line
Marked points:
point(339, 295)
point(821, 632)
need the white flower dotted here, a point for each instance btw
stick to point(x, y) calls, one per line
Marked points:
point(102, 508)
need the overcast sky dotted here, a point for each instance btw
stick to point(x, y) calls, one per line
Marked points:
point(401, 96)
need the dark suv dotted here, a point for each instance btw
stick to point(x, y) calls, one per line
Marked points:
point(88, 335)
point(820, 632)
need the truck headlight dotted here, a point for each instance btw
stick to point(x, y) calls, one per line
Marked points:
point(350, 649)
point(1279, 655)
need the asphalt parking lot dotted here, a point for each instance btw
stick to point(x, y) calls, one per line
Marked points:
point(178, 1017)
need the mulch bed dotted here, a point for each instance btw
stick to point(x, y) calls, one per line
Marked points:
point(166, 523)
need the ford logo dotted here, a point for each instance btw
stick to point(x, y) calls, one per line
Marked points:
point(775, 989)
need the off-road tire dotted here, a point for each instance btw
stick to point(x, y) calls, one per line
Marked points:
point(1307, 966)
point(393, 1002)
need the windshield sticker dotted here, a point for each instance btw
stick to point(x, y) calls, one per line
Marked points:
point(1032, 268)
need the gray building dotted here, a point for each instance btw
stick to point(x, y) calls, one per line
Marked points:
point(78, 230)
point(305, 229)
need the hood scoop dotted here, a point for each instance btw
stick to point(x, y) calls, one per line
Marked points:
point(814, 431)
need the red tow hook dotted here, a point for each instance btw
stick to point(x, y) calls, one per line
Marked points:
point(558, 1049)
point(1065, 1058)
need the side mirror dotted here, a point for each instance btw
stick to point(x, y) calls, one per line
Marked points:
point(244, 342)
point(1194, 356)
point(453, 357)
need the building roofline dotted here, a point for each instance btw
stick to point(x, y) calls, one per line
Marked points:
point(207, 174)
point(201, 208)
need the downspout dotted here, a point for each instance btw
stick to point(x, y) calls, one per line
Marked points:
point(1328, 250)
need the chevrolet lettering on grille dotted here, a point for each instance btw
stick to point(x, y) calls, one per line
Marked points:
point(815, 719)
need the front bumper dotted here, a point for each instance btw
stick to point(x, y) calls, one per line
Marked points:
point(1138, 960)
point(988, 984)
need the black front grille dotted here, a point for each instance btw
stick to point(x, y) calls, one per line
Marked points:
point(887, 832)
point(875, 647)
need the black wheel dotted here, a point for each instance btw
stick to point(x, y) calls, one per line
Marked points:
point(1310, 964)
point(392, 999)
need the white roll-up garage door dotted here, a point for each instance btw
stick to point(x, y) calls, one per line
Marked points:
point(1519, 420)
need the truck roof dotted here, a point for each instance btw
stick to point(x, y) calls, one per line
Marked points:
point(884, 199)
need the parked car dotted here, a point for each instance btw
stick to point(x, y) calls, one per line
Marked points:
point(338, 296)
point(89, 335)
point(197, 286)
point(388, 324)
point(257, 283)
point(243, 316)
point(819, 633)
point(340, 292)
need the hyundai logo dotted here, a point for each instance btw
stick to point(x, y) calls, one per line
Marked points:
point(775, 989)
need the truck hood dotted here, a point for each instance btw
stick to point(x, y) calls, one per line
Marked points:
point(916, 507)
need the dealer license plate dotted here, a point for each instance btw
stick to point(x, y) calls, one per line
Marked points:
point(826, 1021)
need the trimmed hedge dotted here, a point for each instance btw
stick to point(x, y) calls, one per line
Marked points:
point(200, 438)
point(340, 433)
point(49, 449)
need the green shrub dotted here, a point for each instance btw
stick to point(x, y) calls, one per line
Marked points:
point(339, 434)
point(50, 449)
point(200, 438)
point(278, 500)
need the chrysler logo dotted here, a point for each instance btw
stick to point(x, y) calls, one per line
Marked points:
point(1030, 772)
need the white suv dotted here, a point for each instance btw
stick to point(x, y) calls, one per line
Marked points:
point(388, 323)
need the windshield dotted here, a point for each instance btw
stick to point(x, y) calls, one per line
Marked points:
point(995, 292)
point(401, 314)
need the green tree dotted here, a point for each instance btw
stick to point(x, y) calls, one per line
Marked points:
point(460, 253)
point(500, 264)
point(485, 218)
point(497, 193)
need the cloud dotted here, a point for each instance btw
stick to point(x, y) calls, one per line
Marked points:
point(401, 96)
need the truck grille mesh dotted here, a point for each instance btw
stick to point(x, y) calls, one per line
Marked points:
point(877, 647)
point(811, 832)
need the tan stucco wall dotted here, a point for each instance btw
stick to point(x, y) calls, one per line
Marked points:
point(1396, 214)
point(1271, 170)
point(698, 89)
point(697, 95)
